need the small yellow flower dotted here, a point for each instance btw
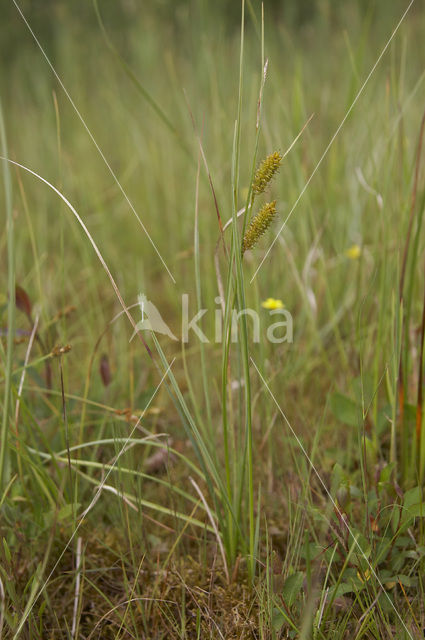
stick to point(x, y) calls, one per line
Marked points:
point(272, 303)
point(353, 252)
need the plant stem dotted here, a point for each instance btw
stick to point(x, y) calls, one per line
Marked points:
point(4, 457)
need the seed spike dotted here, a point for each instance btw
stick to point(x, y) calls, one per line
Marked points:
point(258, 225)
point(266, 172)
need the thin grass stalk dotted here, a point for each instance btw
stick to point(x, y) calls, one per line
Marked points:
point(18, 401)
point(264, 66)
point(214, 526)
point(199, 303)
point(36, 258)
point(228, 530)
point(150, 441)
point(398, 319)
point(228, 429)
point(231, 462)
point(66, 428)
point(410, 457)
point(77, 592)
point(412, 207)
point(191, 391)
point(209, 467)
point(234, 284)
point(380, 337)
point(192, 430)
point(37, 579)
point(88, 381)
point(231, 547)
point(404, 361)
point(240, 291)
point(420, 439)
point(5, 463)
point(92, 464)
point(207, 464)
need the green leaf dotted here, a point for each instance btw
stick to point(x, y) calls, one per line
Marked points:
point(364, 389)
point(413, 496)
point(382, 549)
point(406, 581)
point(341, 589)
point(278, 620)
point(414, 511)
point(361, 545)
point(383, 419)
point(67, 511)
point(385, 475)
point(403, 541)
point(292, 587)
point(7, 551)
point(413, 505)
point(345, 410)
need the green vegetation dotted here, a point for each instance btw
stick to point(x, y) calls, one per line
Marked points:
point(230, 161)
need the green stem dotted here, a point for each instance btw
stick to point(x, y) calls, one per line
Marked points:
point(4, 458)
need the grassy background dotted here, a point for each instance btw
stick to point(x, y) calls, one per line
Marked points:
point(337, 383)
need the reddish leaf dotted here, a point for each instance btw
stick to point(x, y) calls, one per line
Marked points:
point(22, 300)
point(105, 370)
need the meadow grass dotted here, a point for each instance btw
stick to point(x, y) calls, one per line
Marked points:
point(153, 488)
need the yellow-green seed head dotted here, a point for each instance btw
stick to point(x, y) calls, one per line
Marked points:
point(265, 172)
point(258, 225)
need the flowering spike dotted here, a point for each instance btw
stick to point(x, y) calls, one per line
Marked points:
point(258, 225)
point(266, 172)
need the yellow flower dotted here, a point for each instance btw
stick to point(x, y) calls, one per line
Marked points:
point(353, 252)
point(272, 303)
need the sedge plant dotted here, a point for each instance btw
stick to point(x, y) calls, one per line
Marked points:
point(233, 494)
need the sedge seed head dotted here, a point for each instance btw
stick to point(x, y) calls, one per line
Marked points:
point(258, 225)
point(266, 172)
